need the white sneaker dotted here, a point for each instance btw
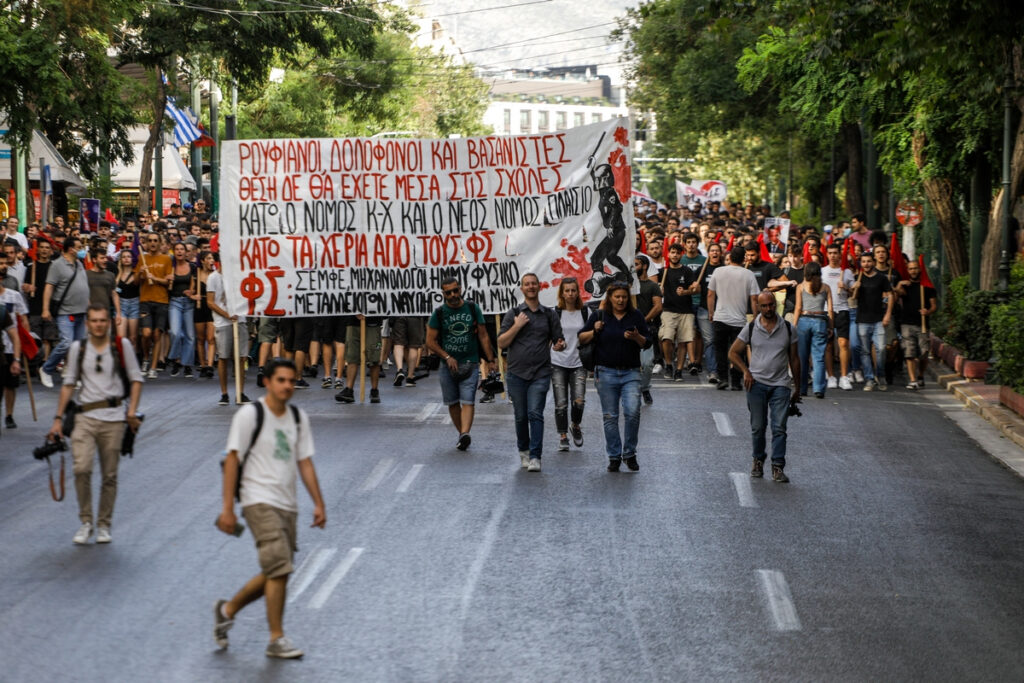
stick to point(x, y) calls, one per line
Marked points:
point(845, 384)
point(152, 374)
point(524, 459)
point(534, 465)
point(832, 383)
point(282, 648)
point(45, 379)
point(103, 535)
point(870, 386)
point(83, 534)
point(657, 369)
point(858, 377)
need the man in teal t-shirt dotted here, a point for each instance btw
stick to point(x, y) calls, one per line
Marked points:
point(457, 333)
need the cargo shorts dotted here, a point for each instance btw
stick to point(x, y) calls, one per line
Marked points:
point(274, 532)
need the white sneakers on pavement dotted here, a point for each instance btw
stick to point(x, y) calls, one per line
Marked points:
point(103, 535)
point(858, 377)
point(282, 648)
point(45, 379)
point(534, 465)
point(845, 384)
point(83, 534)
point(524, 459)
point(832, 383)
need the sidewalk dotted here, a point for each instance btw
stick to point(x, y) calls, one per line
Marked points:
point(983, 399)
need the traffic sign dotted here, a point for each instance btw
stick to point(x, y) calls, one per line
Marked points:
point(909, 213)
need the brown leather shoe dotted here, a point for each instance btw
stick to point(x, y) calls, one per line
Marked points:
point(778, 475)
point(757, 471)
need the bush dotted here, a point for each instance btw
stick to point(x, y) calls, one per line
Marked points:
point(1007, 325)
point(966, 319)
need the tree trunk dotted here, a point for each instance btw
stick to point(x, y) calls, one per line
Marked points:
point(159, 103)
point(991, 251)
point(854, 168)
point(940, 195)
point(828, 203)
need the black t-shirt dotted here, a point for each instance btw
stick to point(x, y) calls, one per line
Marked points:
point(611, 348)
point(35, 302)
point(870, 307)
point(910, 312)
point(674, 278)
point(645, 299)
point(797, 276)
point(765, 272)
point(708, 270)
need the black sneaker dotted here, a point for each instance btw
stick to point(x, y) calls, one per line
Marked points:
point(175, 368)
point(694, 369)
point(242, 401)
point(563, 443)
point(722, 386)
point(259, 378)
point(778, 475)
point(161, 366)
point(700, 368)
point(302, 384)
point(9, 422)
point(757, 470)
point(374, 395)
point(613, 464)
point(464, 441)
point(399, 378)
point(712, 378)
point(410, 381)
point(487, 398)
point(310, 371)
point(819, 394)
point(632, 464)
point(188, 372)
point(668, 371)
point(223, 400)
point(327, 383)
point(345, 396)
point(577, 435)
point(678, 376)
point(648, 399)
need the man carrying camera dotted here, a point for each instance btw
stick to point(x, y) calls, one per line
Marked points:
point(110, 377)
point(457, 333)
point(773, 355)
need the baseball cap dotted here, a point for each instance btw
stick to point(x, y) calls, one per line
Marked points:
point(827, 228)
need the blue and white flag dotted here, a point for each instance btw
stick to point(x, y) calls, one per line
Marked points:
point(185, 128)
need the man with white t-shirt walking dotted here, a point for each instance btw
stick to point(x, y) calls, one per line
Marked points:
point(224, 334)
point(269, 446)
point(840, 281)
point(730, 291)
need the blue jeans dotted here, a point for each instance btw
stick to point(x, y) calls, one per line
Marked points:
point(854, 342)
point(761, 399)
point(454, 392)
point(614, 386)
point(707, 333)
point(812, 337)
point(183, 330)
point(69, 330)
point(529, 397)
point(872, 334)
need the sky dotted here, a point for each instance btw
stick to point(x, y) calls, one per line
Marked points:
point(541, 32)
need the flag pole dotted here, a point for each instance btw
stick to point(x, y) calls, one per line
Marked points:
point(362, 360)
point(238, 362)
point(497, 352)
point(28, 383)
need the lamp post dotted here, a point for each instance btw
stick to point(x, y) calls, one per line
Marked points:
point(1005, 254)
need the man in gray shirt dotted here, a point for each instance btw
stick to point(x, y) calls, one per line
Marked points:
point(773, 355)
point(66, 298)
point(730, 291)
point(529, 332)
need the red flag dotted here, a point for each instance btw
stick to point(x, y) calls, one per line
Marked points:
point(844, 262)
point(29, 348)
point(807, 252)
point(896, 257)
point(765, 254)
point(925, 280)
point(32, 251)
point(732, 239)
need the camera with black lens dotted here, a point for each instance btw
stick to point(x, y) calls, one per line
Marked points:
point(493, 384)
point(794, 410)
point(49, 448)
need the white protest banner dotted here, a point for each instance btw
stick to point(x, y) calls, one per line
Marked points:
point(315, 227)
point(776, 234)
point(711, 190)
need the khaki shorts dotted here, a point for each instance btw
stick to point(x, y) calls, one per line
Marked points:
point(677, 327)
point(270, 330)
point(372, 344)
point(408, 331)
point(274, 532)
point(915, 342)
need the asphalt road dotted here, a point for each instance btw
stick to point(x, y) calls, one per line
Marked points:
point(894, 554)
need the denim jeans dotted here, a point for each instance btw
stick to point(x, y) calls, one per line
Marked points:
point(762, 399)
point(568, 383)
point(812, 337)
point(183, 330)
point(872, 334)
point(646, 367)
point(725, 335)
point(614, 386)
point(854, 342)
point(707, 333)
point(70, 330)
point(528, 399)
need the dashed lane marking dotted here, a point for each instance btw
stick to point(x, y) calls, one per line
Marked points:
point(322, 595)
point(723, 425)
point(407, 482)
point(309, 570)
point(780, 600)
point(741, 482)
point(427, 411)
point(380, 472)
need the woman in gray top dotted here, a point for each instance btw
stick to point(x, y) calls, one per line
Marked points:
point(813, 318)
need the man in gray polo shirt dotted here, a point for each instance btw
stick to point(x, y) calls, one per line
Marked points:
point(65, 298)
point(529, 332)
point(773, 355)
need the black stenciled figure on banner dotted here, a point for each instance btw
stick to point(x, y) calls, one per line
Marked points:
point(607, 251)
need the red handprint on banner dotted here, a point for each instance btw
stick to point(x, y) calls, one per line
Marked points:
point(622, 136)
point(574, 264)
point(622, 173)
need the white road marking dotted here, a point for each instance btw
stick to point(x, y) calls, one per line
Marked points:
point(780, 601)
point(741, 482)
point(407, 482)
point(428, 410)
point(723, 424)
point(482, 553)
point(321, 596)
point(309, 570)
point(379, 474)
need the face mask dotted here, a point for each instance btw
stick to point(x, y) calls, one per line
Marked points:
point(81, 254)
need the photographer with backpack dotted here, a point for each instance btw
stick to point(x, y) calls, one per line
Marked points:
point(457, 333)
point(269, 446)
point(110, 376)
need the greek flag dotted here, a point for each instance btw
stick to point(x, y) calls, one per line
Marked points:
point(185, 129)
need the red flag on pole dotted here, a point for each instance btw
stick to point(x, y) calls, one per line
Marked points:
point(765, 254)
point(925, 280)
point(807, 252)
point(896, 257)
point(732, 239)
point(29, 348)
point(844, 261)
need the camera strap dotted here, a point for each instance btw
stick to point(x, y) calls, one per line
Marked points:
point(53, 488)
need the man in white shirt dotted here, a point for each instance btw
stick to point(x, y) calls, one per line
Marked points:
point(269, 456)
point(14, 303)
point(840, 280)
point(224, 334)
point(730, 291)
point(12, 233)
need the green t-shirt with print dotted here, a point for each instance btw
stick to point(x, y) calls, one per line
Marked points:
point(457, 329)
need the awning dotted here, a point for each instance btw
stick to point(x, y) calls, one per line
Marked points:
point(176, 174)
point(60, 170)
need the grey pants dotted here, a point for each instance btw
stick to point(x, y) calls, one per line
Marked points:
point(565, 381)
